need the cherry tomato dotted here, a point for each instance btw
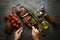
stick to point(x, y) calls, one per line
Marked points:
point(16, 19)
point(19, 22)
point(14, 24)
point(11, 14)
point(17, 26)
point(13, 17)
point(12, 21)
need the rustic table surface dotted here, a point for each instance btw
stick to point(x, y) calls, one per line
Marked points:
point(51, 6)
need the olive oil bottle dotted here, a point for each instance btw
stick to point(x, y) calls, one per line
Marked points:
point(50, 19)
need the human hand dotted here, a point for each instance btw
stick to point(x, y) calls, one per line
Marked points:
point(18, 33)
point(35, 33)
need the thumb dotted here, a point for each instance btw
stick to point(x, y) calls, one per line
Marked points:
point(33, 27)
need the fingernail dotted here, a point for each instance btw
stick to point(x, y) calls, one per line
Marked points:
point(32, 27)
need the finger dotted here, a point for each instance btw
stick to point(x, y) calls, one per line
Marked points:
point(33, 27)
point(36, 30)
point(39, 30)
point(19, 30)
point(33, 30)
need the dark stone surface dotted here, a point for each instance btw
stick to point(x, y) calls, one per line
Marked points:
point(51, 6)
